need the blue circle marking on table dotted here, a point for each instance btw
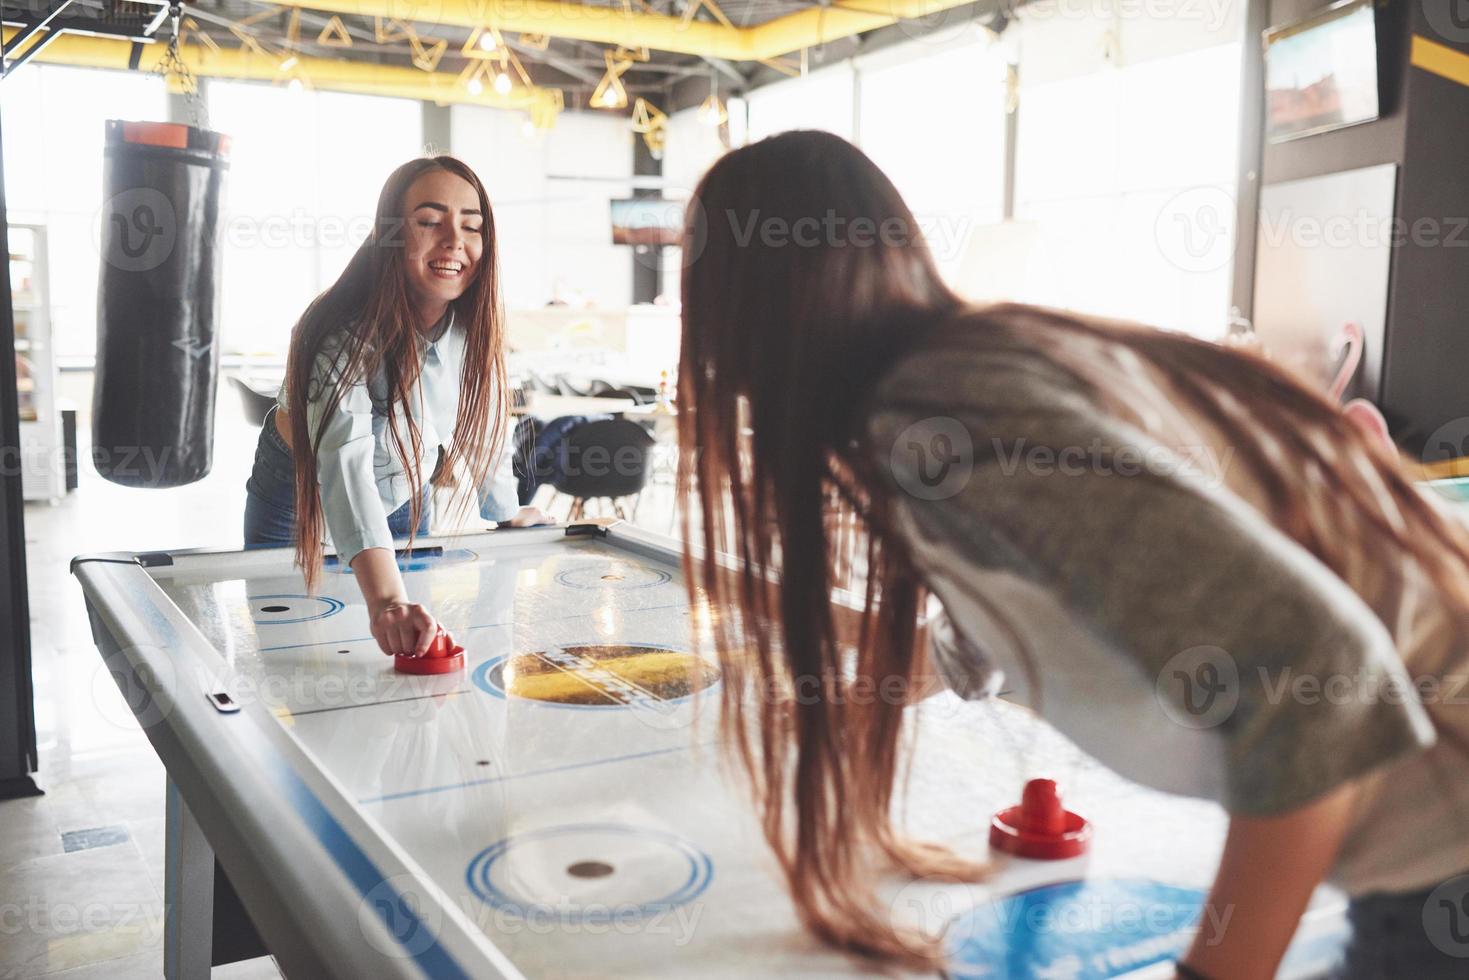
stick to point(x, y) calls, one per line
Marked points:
point(489, 677)
point(287, 608)
point(614, 575)
point(695, 869)
point(1081, 930)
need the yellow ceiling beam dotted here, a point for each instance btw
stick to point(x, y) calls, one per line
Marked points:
point(333, 74)
point(634, 28)
point(604, 25)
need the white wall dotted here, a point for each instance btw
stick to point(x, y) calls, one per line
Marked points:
point(692, 148)
point(550, 191)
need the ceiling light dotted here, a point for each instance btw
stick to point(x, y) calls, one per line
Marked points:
point(713, 112)
point(502, 83)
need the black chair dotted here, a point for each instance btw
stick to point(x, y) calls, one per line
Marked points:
point(255, 404)
point(604, 460)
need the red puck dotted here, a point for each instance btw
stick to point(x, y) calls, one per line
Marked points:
point(1040, 827)
point(443, 657)
point(428, 664)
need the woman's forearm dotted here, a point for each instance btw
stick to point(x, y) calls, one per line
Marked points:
point(378, 577)
point(1270, 867)
point(399, 625)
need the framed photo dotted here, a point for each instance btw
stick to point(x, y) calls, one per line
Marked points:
point(1321, 72)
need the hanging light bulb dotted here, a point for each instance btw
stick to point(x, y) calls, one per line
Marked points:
point(487, 41)
point(713, 113)
point(502, 83)
point(295, 85)
point(475, 86)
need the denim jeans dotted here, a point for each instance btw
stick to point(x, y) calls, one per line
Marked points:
point(1390, 941)
point(270, 496)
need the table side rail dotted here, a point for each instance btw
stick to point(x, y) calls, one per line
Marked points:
point(317, 877)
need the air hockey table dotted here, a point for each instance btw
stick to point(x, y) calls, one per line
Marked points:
point(558, 808)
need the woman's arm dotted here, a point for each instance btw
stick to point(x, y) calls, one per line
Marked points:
point(353, 512)
point(399, 625)
point(1271, 865)
point(499, 500)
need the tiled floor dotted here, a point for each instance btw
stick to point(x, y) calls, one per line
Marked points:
point(81, 868)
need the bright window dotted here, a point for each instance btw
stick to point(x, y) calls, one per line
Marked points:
point(1125, 187)
point(54, 127)
point(305, 172)
point(934, 121)
point(821, 100)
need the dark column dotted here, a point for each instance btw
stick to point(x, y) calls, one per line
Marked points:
point(647, 260)
point(17, 707)
point(1251, 149)
point(436, 128)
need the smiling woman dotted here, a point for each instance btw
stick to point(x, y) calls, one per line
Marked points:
point(396, 372)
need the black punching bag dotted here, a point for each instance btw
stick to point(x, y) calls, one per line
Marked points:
point(158, 304)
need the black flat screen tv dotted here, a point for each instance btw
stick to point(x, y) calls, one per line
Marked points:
point(647, 221)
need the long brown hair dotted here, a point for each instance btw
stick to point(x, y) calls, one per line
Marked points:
point(781, 341)
point(364, 324)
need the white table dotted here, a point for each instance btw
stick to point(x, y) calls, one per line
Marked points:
point(473, 825)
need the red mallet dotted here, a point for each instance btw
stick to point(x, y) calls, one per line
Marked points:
point(443, 657)
point(1040, 827)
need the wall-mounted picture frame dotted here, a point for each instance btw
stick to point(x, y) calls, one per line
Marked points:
point(1321, 72)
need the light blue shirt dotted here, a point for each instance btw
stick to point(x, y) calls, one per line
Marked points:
point(361, 476)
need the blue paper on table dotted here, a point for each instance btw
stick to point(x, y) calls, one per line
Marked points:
point(1100, 929)
point(1075, 930)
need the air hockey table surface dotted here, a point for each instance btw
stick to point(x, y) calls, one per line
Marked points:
point(559, 807)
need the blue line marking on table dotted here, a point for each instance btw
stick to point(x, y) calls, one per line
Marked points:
point(408, 793)
point(280, 603)
point(701, 872)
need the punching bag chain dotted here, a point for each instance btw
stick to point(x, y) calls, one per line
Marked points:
point(173, 68)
